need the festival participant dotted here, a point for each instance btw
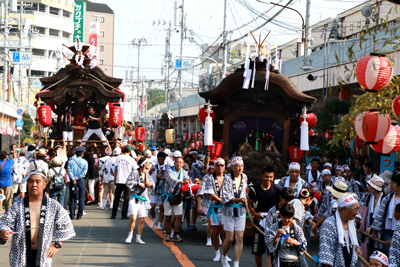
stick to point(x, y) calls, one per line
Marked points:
point(327, 166)
point(301, 203)
point(158, 172)
point(264, 195)
point(293, 180)
point(139, 183)
point(32, 221)
point(168, 160)
point(338, 244)
point(325, 182)
point(385, 221)
point(329, 205)
point(174, 178)
point(92, 175)
point(101, 162)
point(124, 165)
point(285, 197)
point(19, 172)
point(369, 171)
point(196, 162)
point(107, 178)
point(39, 163)
point(6, 184)
point(66, 120)
point(93, 119)
point(394, 253)
point(195, 177)
point(234, 189)
point(378, 259)
point(372, 200)
point(352, 185)
point(203, 202)
point(56, 180)
point(339, 170)
point(153, 150)
point(285, 239)
point(313, 175)
point(77, 169)
point(210, 189)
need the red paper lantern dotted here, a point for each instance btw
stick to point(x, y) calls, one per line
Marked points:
point(311, 120)
point(196, 135)
point(193, 146)
point(199, 144)
point(391, 142)
point(374, 72)
point(295, 153)
point(139, 133)
point(45, 115)
point(359, 142)
point(396, 106)
point(115, 118)
point(186, 150)
point(203, 114)
point(141, 147)
point(372, 126)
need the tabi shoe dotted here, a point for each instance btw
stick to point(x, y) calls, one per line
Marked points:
point(209, 242)
point(228, 259)
point(128, 240)
point(159, 226)
point(139, 241)
point(235, 264)
point(224, 261)
point(217, 256)
point(167, 238)
point(153, 224)
point(177, 238)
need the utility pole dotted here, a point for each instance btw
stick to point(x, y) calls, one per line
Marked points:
point(180, 54)
point(5, 81)
point(307, 44)
point(21, 36)
point(138, 43)
point(168, 62)
point(224, 44)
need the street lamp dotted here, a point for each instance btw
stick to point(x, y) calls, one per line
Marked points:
point(305, 37)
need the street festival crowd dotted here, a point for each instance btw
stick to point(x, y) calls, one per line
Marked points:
point(355, 210)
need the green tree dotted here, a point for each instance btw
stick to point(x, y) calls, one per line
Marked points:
point(154, 97)
point(27, 127)
point(331, 113)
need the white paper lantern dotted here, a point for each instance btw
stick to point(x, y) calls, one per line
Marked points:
point(208, 132)
point(304, 136)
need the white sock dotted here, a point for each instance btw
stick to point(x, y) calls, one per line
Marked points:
point(130, 234)
point(220, 241)
point(172, 233)
point(103, 206)
point(235, 264)
point(159, 225)
point(209, 242)
point(217, 255)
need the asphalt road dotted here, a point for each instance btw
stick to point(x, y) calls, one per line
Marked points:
point(100, 240)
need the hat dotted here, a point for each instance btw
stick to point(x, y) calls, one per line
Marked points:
point(325, 171)
point(153, 148)
point(294, 166)
point(41, 152)
point(57, 146)
point(57, 161)
point(340, 168)
point(327, 164)
point(177, 154)
point(376, 182)
point(381, 257)
point(386, 176)
point(79, 148)
point(167, 151)
point(117, 151)
point(26, 143)
point(185, 166)
point(128, 148)
point(338, 189)
point(147, 153)
point(347, 200)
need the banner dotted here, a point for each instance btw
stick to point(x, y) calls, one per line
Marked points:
point(94, 31)
point(387, 162)
point(80, 21)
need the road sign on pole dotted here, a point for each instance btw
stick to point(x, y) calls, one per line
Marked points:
point(182, 64)
point(21, 57)
point(19, 123)
point(20, 111)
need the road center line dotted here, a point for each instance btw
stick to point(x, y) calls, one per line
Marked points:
point(179, 255)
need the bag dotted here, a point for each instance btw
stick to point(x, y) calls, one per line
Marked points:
point(74, 192)
point(58, 180)
point(175, 200)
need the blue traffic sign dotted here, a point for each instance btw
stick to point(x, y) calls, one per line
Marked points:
point(20, 111)
point(178, 64)
point(19, 123)
point(21, 57)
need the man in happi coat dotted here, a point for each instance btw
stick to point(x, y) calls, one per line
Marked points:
point(338, 246)
point(31, 222)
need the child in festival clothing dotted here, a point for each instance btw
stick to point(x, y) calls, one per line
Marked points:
point(378, 259)
point(285, 239)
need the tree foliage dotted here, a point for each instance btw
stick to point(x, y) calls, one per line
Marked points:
point(154, 97)
point(27, 127)
point(331, 113)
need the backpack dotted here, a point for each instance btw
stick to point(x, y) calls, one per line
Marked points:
point(58, 180)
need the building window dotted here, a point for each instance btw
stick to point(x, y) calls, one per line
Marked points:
point(42, 8)
point(101, 33)
point(101, 19)
point(101, 48)
point(41, 30)
point(38, 52)
point(101, 62)
point(94, 18)
point(66, 14)
point(54, 11)
point(66, 35)
point(54, 33)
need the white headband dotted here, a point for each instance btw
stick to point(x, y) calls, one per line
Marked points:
point(36, 172)
point(144, 162)
point(219, 160)
point(339, 178)
point(347, 201)
point(377, 255)
point(324, 172)
point(294, 166)
point(193, 152)
point(236, 160)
